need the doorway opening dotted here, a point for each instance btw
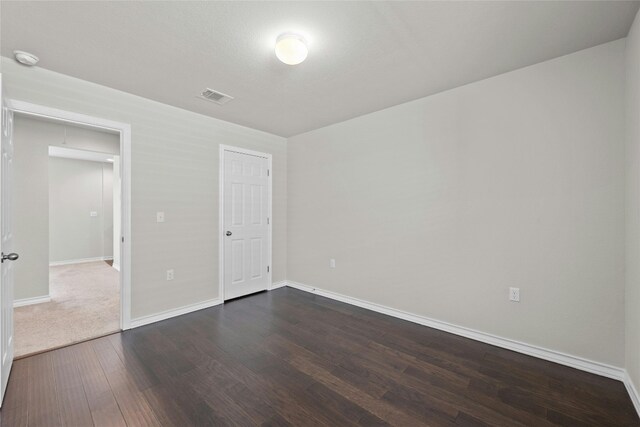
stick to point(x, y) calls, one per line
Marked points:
point(66, 214)
point(111, 266)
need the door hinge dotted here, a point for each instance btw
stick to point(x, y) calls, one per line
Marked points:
point(267, 172)
point(267, 268)
point(122, 239)
point(267, 221)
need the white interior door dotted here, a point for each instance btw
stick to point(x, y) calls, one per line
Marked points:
point(6, 245)
point(246, 224)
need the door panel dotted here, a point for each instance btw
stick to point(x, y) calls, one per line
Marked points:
point(6, 245)
point(256, 257)
point(257, 216)
point(237, 260)
point(246, 185)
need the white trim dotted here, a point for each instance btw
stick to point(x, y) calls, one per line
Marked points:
point(268, 156)
point(65, 116)
point(145, 320)
point(124, 129)
point(280, 284)
point(152, 318)
point(80, 261)
point(517, 346)
point(30, 301)
point(244, 151)
point(633, 392)
point(116, 266)
point(270, 225)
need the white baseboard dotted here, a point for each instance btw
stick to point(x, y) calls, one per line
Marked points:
point(116, 266)
point(276, 285)
point(633, 392)
point(29, 301)
point(80, 261)
point(145, 320)
point(517, 346)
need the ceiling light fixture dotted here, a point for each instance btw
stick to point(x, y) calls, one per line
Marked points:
point(291, 48)
point(26, 58)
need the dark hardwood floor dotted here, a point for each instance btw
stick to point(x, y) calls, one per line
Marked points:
point(290, 358)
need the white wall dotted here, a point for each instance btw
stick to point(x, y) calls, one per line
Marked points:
point(436, 207)
point(175, 170)
point(32, 138)
point(632, 297)
point(77, 188)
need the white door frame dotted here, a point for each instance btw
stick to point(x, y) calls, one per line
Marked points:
point(223, 149)
point(124, 130)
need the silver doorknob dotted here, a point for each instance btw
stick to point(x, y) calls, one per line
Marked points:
point(229, 233)
point(10, 257)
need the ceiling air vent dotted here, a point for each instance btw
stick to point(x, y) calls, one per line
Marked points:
point(215, 96)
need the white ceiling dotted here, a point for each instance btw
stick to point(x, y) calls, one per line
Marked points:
point(364, 56)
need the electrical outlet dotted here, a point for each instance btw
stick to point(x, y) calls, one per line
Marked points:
point(160, 216)
point(332, 263)
point(514, 294)
point(170, 274)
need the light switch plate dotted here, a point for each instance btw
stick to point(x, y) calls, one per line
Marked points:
point(160, 216)
point(93, 213)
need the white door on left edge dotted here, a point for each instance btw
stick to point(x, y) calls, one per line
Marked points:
point(246, 228)
point(6, 245)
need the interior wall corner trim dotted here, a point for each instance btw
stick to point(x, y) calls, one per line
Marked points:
point(633, 392)
point(30, 301)
point(167, 314)
point(276, 285)
point(80, 261)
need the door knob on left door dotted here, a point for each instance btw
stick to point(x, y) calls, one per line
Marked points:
point(10, 257)
point(229, 233)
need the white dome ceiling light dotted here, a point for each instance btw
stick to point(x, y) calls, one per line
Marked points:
point(291, 48)
point(26, 58)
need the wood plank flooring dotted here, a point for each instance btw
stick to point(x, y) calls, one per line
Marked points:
point(290, 358)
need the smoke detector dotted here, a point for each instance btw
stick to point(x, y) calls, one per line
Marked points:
point(215, 96)
point(26, 58)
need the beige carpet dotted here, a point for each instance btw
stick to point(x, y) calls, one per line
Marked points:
point(85, 303)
